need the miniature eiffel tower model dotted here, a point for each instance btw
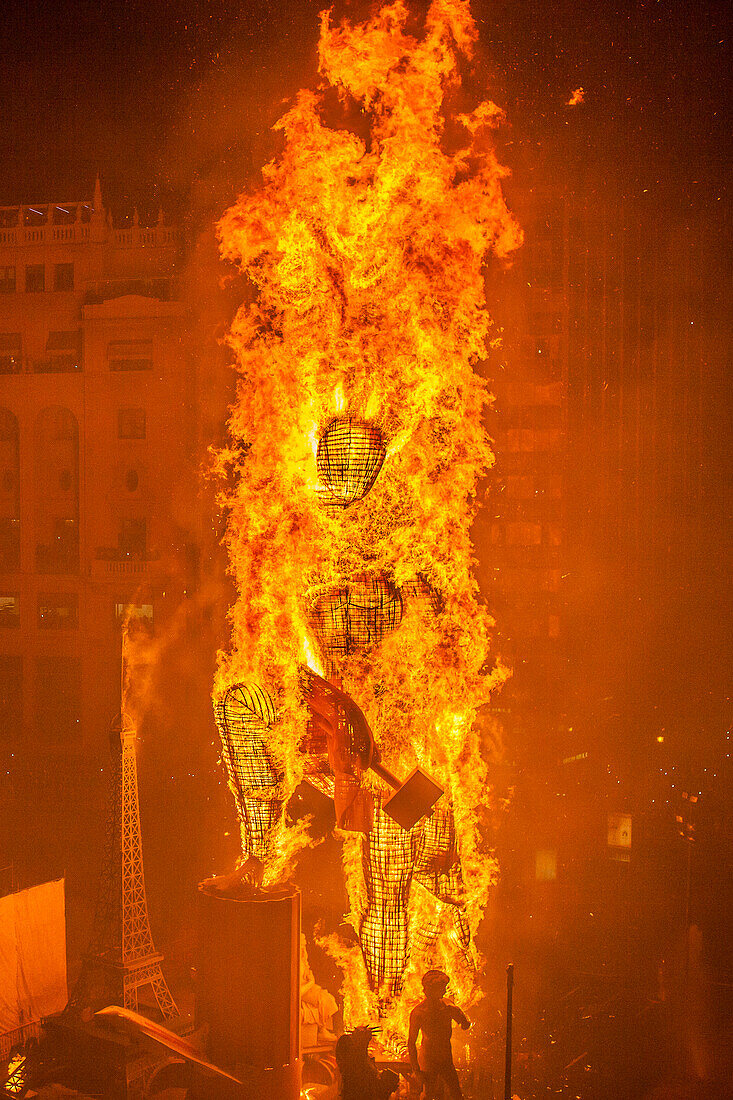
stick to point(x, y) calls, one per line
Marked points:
point(122, 958)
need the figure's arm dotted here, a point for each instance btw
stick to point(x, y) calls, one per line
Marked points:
point(412, 1042)
point(324, 701)
point(334, 714)
point(459, 1017)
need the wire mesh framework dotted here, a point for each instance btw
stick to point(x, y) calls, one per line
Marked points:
point(349, 457)
point(345, 619)
point(354, 616)
point(388, 865)
point(244, 716)
point(122, 958)
point(438, 869)
point(393, 860)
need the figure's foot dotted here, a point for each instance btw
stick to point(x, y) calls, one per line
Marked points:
point(248, 874)
point(325, 1035)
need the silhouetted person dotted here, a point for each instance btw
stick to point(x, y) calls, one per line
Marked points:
point(360, 1078)
point(434, 1018)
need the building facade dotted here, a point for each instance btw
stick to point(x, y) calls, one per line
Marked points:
point(96, 453)
point(522, 529)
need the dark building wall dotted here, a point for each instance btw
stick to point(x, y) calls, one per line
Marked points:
point(522, 529)
point(603, 537)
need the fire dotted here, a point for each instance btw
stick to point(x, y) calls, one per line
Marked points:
point(365, 251)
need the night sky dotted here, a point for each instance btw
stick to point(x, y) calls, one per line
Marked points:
point(152, 92)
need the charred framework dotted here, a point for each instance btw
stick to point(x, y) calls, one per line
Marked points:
point(349, 457)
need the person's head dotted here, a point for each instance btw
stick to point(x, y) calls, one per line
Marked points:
point(435, 983)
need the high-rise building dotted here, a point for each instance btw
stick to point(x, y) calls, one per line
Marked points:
point(609, 493)
point(521, 531)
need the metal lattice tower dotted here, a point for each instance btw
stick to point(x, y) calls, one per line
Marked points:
point(122, 958)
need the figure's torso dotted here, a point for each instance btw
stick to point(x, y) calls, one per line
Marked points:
point(436, 1024)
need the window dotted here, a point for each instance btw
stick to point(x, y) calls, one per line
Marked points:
point(63, 353)
point(58, 610)
point(35, 278)
point(7, 279)
point(63, 277)
point(65, 363)
point(130, 355)
point(58, 698)
point(131, 424)
point(9, 493)
point(134, 614)
point(10, 352)
point(131, 480)
point(56, 509)
point(133, 537)
point(11, 698)
point(9, 610)
point(546, 865)
point(61, 555)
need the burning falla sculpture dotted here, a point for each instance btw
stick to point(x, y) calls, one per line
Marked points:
point(357, 443)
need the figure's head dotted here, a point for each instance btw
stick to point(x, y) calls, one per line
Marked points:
point(435, 983)
point(352, 1049)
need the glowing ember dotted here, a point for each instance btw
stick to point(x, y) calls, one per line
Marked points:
point(366, 254)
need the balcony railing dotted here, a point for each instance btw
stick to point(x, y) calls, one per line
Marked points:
point(52, 364)
point(57, 364)
point(138, 236)
point(120, 568)
point(110, 561)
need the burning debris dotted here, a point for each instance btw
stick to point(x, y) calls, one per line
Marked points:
point(357, 441)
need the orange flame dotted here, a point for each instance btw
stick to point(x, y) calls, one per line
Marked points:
point(366, 253)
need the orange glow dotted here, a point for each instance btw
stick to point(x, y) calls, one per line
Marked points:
point(366, 261)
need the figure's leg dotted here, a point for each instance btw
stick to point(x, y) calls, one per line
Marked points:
point(432, 1087)
point(387, 855)
point(438, 868)
point(452, 1084)
point(346, 619)
point(244, 716)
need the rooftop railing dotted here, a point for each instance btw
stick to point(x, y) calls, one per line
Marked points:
point(157, 236)
point(70, 223)
point(43, 234)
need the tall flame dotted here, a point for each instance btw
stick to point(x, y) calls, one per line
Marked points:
point(365, 251)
